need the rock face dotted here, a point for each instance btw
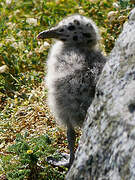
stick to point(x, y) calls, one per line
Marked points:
point(107, 147)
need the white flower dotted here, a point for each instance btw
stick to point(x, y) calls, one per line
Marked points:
point(4, 69)
point(42, 47)
point(46, 44)
point(121, 18)
point(9, 39)
point(39, 42)
point(32, 21)
point(26, 51)
point(11, 25)
point(21, 45)
point(8, 2)
point(15, 45)
point(115, 5)
point(20, 33)
point(112, 15)
point(81, 11)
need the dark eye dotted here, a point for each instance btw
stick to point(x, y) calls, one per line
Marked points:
point(89, 25)
point(71, 28)
point(76, 22)
point(61, 30)
point(88, 35)
point(89, 41)
point(75, 38)
point(62, 39)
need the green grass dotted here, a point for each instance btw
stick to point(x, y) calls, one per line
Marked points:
point(23, 108)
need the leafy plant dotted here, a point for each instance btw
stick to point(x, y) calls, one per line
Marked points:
point(25, 156)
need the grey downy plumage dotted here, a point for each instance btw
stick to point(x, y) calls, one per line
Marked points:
point(73, 67)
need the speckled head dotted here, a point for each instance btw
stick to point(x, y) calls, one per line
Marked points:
point(74, 30)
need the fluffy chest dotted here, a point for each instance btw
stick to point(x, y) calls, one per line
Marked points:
point(65, 60)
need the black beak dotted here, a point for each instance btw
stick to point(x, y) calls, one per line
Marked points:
point(51, 33)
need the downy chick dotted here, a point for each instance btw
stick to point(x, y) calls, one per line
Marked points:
point(73, 67)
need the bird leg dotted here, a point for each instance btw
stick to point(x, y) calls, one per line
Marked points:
point(71, 142)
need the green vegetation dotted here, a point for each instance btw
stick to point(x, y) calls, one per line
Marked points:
point(27, 152)
point(26, 125)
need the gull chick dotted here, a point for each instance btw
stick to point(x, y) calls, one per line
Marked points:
point(73, 67)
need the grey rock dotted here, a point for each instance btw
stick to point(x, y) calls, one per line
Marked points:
point(107, 147)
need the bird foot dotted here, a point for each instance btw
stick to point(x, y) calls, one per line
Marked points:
point(62, 161)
